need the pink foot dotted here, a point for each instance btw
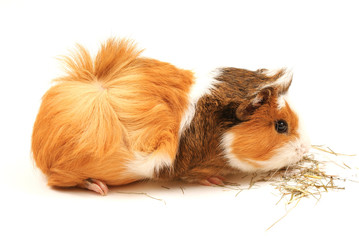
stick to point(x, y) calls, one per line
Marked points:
point(95, 185)
point(212, 181)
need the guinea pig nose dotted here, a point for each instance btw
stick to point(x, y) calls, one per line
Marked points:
point(302, 149)
point(305, 148)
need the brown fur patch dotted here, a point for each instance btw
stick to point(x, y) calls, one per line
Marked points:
point(237, 105)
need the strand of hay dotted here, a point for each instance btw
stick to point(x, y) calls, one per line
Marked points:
point(145, 194)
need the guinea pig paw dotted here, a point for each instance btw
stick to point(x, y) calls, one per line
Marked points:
point(95, 185)
point(217, 180)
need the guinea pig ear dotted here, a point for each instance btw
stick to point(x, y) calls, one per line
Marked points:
point(280, 79)
point(246, 109)
point(262, 97)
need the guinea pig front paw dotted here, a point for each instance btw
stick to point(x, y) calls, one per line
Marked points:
point(215, 180)
point(95, 185)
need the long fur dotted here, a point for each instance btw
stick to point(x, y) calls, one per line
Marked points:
point(106, 109)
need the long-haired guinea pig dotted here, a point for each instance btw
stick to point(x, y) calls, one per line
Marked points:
point(119, 118)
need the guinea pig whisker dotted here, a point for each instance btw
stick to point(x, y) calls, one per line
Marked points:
point(286, 170)
point(273, 174)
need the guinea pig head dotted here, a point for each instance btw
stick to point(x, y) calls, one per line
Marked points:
point(270, 134)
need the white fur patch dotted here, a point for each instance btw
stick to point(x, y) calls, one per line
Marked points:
point(281, 101)
point(145, 165)
point(282, 80)
point(272, 72)
point(204, 83)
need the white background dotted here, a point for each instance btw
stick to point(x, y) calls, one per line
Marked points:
point(317, 39)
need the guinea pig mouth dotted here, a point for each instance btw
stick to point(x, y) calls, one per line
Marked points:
point(287, 154)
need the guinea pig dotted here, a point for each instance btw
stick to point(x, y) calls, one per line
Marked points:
point(120, 118)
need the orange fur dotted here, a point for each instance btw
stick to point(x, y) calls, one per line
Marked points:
point(104, 110)
point(257, 139)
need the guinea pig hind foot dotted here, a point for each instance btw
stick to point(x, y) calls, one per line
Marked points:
point(95, 185)
point(215, 180)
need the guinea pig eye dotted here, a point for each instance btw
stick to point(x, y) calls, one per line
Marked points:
point(281, 126)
